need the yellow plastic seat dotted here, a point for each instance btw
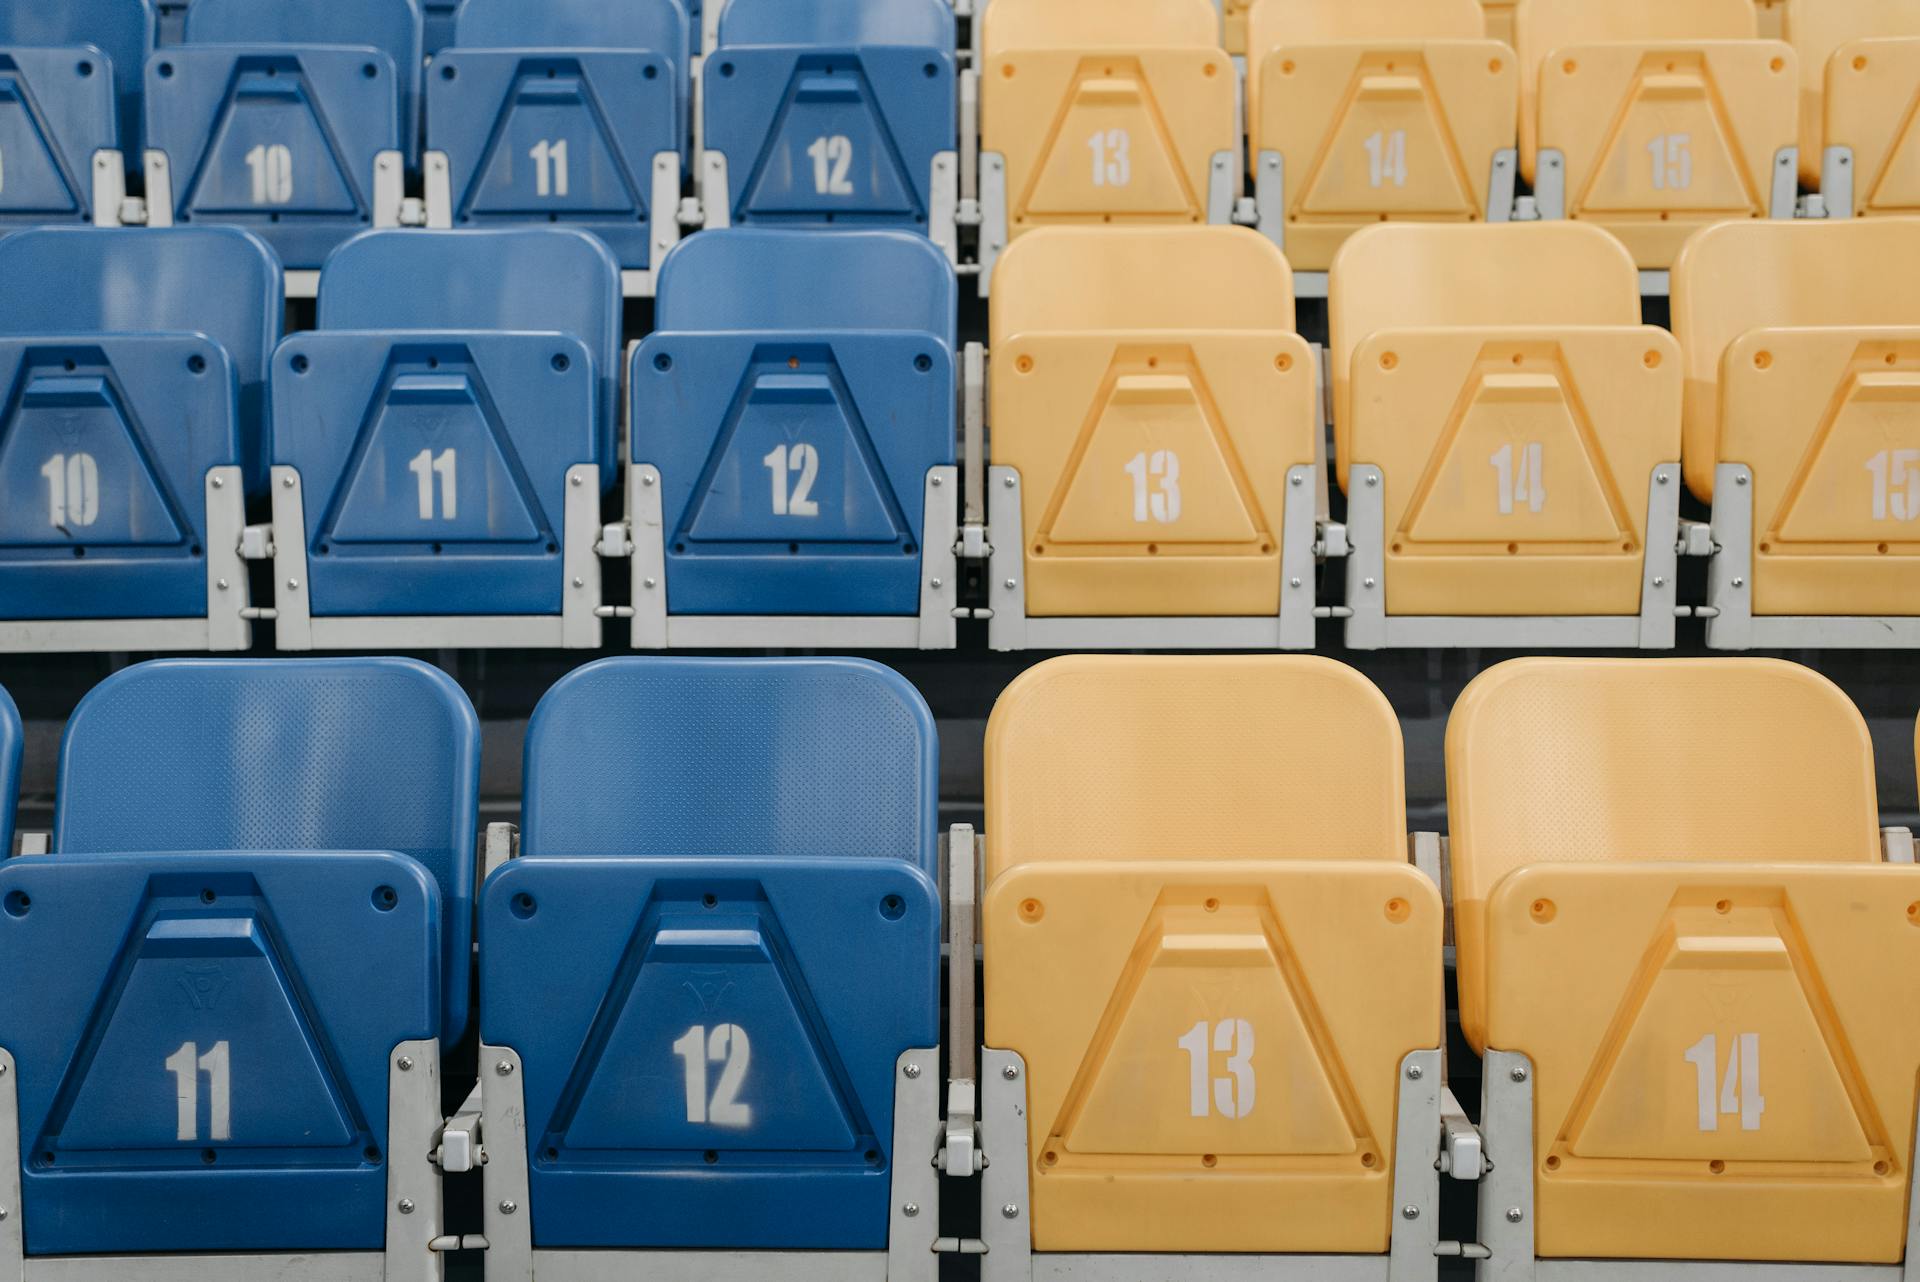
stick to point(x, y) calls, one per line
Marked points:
point(1202, 933)
point(1107, 111)
point(1859, 89)
point(1499, 17)
point(1803, 366)
point(1150, 389)
point(1669, 898)
point(1233, 25)
point(1370, 110)
point(1508, 412)
point(1771, 16)
point(1662, 115)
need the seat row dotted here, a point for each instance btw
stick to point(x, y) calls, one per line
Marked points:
point(1651, 118)
point(709, 1012)
point(1146, 470)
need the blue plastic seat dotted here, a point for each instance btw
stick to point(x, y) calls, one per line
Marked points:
point(832, 112)
point(273, 115)
point(135, 362)
point(431, 421)
point(795, 395)
point(172, 16)
point(10, 743)
point(721, 934)
point(438, 15)
point(557, 112)
point(69, 88)
point(259, 890)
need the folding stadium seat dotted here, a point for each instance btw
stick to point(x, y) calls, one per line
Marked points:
point(840, 112)
point(1803, 429)
point(1213, 980)
point(1361, 113)
point(293, 119)
point(69, 106)
point(441, 442)
point(1684, 975)
point(1859, 80)
point(793, 478)
point(710, 983)
point(1153, 424)
point(1104, 111)
point(229, 984)
point(136, 365)
point(10, 741)
point(1655, 117)
point(1508, 436)
point(526, 90)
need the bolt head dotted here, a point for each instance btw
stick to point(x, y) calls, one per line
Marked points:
point(1515, 1215)
point(1296, 480)
point(912, 1071)
point(936, 585)
point(223, 585)
point(1367, 583)
point(286, 482)
point(1516, 1073)
point(1010, 1210)
point(579, 582)
point(1409, 1212)
point(1739, 583)
point(1659, 581)
point(1415, 1072)
point(938, 482)
point(508, 1206)
point(1010, 1072)
point(910, 1210)
point(293, 585)
point(1011, 584)
point(1373, 478)
point(504, 1068)
point(1294, 581)
point(405, 1063)
point(218, 483)
point(1009, 482)
point(406, 1206)
point(1740, 480)
point(3, 1212)
point(648, 583)
point(646, 479)
point(1660, 478)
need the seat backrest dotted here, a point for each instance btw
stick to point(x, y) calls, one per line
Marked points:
point(763, 279)
point(657, 25)
point(1138, 758)
point(1690, 760)
point(1100, 24)
point(217, 281)
point(1156, 280)
point(124, 30)
point(282, 754)
point(732, 758)
point(1816, 29)
point(527, 279)
point(837, 23)
point(1274, 23)
point(1418, 276)
point(11, 740)
point(393, 26)
point(1738, 277)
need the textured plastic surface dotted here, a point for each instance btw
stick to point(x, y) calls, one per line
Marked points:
point(554, 112)
point(740, 847)
point(280, 139)
point(392, 26)
point(1500, 381)
point(290, 976)
point(317, 754)
point(1572, 761)
point(831, 113)
point(11, 743)
point(793, 428)
point(544, 280)
point(56, 111)
point(1146, 78)
point(1389, 110)
point(123, 30)
point(61, 281)
point(1150, 388)
point(433, 467)
point(1211, 890)
point(105, 445)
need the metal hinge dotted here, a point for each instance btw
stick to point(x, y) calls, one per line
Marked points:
point(256, 543)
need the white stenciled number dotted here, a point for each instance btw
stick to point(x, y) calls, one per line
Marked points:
point(1522, 480)
point(1896, 485)
point(425, 466)
point(727, 1046)
point(272, 170)
point(73, 490)
point(1387, 158)
point(1739, 1087)
point(549, 167)
point(1151, 502)
point(1230, 1096)
point(832, 159)
point(1112, 157)
point(1672, 162)
point(186, 1065)
point(799, 464)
